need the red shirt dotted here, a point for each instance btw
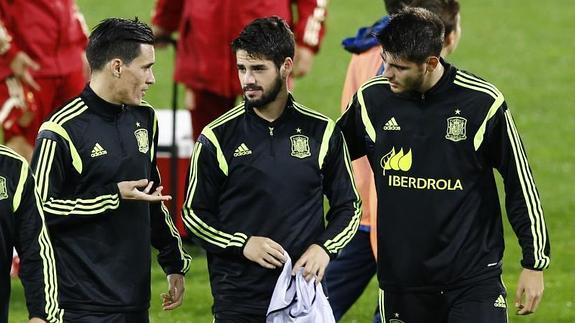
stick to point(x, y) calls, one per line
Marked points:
point(204, 59)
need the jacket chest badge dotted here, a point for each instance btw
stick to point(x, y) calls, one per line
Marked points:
point(3, 188)
point(142, 138)
point(300, 146)
point(456, 128)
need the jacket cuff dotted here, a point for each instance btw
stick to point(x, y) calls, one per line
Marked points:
point(332, 256)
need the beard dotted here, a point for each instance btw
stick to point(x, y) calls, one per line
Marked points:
point(267, 97)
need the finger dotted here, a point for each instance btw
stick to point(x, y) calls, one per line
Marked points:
point(518, 293)
point(536, 302)
point(177, 297)
point(277, 247)
point(309, 271)
point(530, 302)
point(262, 262)
point(148, 187)
point(158, 191)
point(270, 259)
point(276, 255)
point(178, 292)
point(298, 265)
point(320, 273)
point(28, 79)
point(31, 63)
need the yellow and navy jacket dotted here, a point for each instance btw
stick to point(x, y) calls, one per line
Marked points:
point(250, 177)
point(102, 242)
point(433, 154)
point(22, 226)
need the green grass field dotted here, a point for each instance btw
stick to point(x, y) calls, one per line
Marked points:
point(523, 47)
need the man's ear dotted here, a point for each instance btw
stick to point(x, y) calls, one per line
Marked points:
point(115, 67)
point(432, 63)
point(287, 67)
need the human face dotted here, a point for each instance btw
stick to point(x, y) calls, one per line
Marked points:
point(402, 74)
point(260, 79)
point(136, 77)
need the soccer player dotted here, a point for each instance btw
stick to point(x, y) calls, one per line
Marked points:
point(22, 226)
point(433, 134)
point(95, 161)
point(350, 273)
point(257, 179)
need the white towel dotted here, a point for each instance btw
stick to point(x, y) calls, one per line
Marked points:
point(298, 301)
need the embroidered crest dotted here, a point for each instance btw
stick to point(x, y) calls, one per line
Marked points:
point(142, 137)
point(3, 189)
point(300, 146)
point(456, 129)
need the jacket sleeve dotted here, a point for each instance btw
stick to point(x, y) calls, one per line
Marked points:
point(207, 174)
point(344, 212)
point(354, 124)
point(310, 25)
point(38, 268)
point(164, 235)
point(55, 158)
point(507, 154)
point(167, 14)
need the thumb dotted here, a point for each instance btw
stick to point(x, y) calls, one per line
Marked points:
point(31, 63)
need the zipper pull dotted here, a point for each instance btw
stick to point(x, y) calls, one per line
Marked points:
point(271, 131)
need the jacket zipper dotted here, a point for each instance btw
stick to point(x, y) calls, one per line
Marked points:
point(272, 150)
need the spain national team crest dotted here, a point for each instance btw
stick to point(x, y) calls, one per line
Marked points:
point(456, 129)
point(300, 146)
point(3, 189)
point(142, 137)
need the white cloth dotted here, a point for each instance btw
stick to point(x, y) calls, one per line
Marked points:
point(297, 301)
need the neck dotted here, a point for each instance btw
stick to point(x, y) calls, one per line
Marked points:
point(433, 78)
point(103, 88)
point(273, 110)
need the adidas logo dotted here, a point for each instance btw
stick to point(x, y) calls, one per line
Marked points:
point(500, 302)
point(242, 150)
point(391, 125)
point(98, 151)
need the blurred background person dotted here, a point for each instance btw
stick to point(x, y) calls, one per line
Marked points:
point(42, 65)
point(204, 62)
point(349, 274)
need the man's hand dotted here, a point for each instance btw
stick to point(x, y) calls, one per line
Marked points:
point(163, 38)
point(303, 61)
point(190, 99)
point(529, 291)
point(129, 191)
point(175, 295)
point(21, 65)
point(314, 262)
point(265, 252)
point(36, 320)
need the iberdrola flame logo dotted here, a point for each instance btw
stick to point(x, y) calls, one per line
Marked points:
point(396, 160)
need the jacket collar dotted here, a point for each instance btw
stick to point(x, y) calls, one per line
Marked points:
point(99, 105)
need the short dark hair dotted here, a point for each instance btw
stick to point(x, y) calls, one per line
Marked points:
point(447, 10)
point(267, 38)
point(393, 6)
point(413, 34)
point(117, 38)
